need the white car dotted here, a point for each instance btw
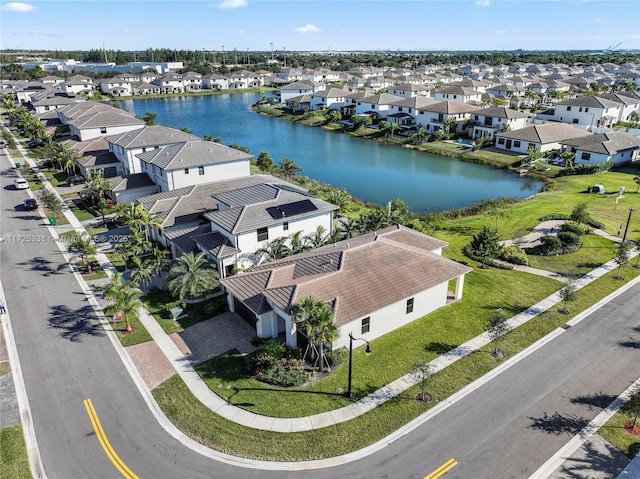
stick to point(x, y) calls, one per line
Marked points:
point(20, 184)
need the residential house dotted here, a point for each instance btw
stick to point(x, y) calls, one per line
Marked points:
point(588, 112)
point(127, 189)
point(116, 86)
point(330, 98)
point(194, 162)
point(103, 123)
point(51, 80)
point(191, 81)
point(77, 84)
point(295, 89)
point(628, 104)
point(53, 103)
point(616, 146)
point(374, 283)
point(215, 82)
point(409, 90)
point(145, 88)
point(126, 146)
point(95, 155)
point(548, 136)
point(404, 112)
point(488, 121)
point(170, 83)
point(460, 94)
point(376, 106)
point(432, 117)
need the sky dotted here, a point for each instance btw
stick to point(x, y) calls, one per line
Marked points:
point(320, 25)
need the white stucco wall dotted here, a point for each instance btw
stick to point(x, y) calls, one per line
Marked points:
point(394, 316)
point(222, 171)
point(89, 133)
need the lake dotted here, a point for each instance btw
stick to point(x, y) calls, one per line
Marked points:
point(368, 170)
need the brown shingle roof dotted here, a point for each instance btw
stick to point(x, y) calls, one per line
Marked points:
point(359, 275)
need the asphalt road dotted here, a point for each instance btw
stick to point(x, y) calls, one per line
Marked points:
point(505, 429)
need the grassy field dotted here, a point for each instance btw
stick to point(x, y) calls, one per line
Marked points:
point(212, 430)
point(138, 336)
point(14, 462)
point(614, 432)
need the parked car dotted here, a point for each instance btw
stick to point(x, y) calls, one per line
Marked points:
point(35, 144)
point(30, 204)
point(75, 180)
point(20, 184)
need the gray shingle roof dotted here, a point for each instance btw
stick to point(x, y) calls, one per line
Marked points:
point(449, 107)
point(130, 182)
point(254, 215)
point(150, 136)
point(193, 153)
point(105, 118)
point(590, 101)
point(543, 134)
point(501, 112)
point(216, 244)
point(608, 143)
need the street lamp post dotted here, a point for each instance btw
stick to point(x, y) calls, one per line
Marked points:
point(222, 55)
point(624, 236)
point(349, 393)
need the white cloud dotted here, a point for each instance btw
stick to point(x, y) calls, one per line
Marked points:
point(634, 36)
point(501, 32)
point(308, 28)
point(483, 3)
point(227, 4)
point(17, 7)
point(242, 31)
point(40, 33)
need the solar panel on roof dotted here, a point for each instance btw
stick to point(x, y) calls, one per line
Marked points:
point(291, 209)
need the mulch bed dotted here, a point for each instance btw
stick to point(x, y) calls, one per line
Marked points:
point(631, 429)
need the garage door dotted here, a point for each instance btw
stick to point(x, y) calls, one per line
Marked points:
point(244, 312)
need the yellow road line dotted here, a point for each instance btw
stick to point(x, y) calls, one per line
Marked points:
point(442, 470)
point(104, 442)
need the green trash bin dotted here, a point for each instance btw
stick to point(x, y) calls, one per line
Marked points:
point(18, 165)
point(52, 221)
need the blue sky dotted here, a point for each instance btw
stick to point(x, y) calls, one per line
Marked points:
point(321, 24)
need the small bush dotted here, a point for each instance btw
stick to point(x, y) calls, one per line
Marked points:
point(216, 306)
point(595, 224)
point(549, 246)
point(257, 341)
point(576, 228)
point(337, 356)
point(571, 242)
point(554, 216)
point(285, 373)
point(514, 255)
point(265, 357)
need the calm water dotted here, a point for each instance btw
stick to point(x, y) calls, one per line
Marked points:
point(368, 170)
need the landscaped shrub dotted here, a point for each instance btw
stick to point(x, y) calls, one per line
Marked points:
point(514, 255)
point(571, 242)
point(576, 228)
point(286, 373)
point(337, 356)
point(265, 357)
point(215, 306)
point(595, 224)
point(554, 216)
point(257, 341)
point(549, 246)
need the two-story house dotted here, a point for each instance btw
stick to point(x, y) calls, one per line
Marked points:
point(194, 162)
point(616, 146)
point(431, 117)
point(589, 112)
point(488, 121)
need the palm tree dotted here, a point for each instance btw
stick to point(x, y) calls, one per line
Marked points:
point(637, 180)
point(96, 187)
point(192, 276)
point(450, 125)
point(159, 263)
point(83, 248)
point(125, 297)
point(318, 238)
point(142, 272)
point(419, 136)
point(315, 318)
point(275, 249)
point(334, 116)
point(350, 227)
point(136, 217)
point(297, 244)
point(66, 157)
point(340, 198)
point(534, 155)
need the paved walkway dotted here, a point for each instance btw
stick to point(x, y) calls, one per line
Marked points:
point(156, 360)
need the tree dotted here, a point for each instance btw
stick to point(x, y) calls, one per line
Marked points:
point(534, 154)
point(136, 217)
point(579, 213)
point(622, 257)
point(51, 201)
point(96, 188)
point(297, 244)
point(274, 249)
point(334, 116)
point(159, 263)
point(315, 318)
point(418, 137)
point(422, 373)
point(569, 158)
point(84, 248)
point(288, 168)
point(66, 157)
point(264, 161)
point(568, 294)
point(497, 328)
point(318, 238)
point(485, 244)
point(150, 119)
point(340, 198)
point(351, 227)
point(637, 180)
point(142, 272)
point(361, 121)
point(125, 297)
point(632, 406)
point(192, 276)
point(450, 125)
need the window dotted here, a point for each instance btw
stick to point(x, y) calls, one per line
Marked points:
point(366, 325)
point(500, 141)
point(103, 130)
point(574, 121)
point(201, 170)
point(568, 108)
point(285, 226)
point(585, 156)
point(263, 234)
point(516, 144)
point(586, 110)
point(144, 150)
point(409, 305)
point(186, 171)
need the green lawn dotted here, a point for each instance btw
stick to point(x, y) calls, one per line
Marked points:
point(56, 178)
point(140, 335)
point(595, 251)
point(213, 431)
point(156, 301)
point(614, 432)
point(5, 368)
point(14, 462)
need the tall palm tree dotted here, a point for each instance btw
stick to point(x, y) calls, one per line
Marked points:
point(340, 198)
point(83, 248)
point(315, 319)
point(96, 188)
point(318, 238)
point(297, 243)
point(136, 217)
point(125, 297)
point(351, 227)
point(288, 168)
point(192, 276)
point(66, 157)
point(142, 272)
point(275, 249)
